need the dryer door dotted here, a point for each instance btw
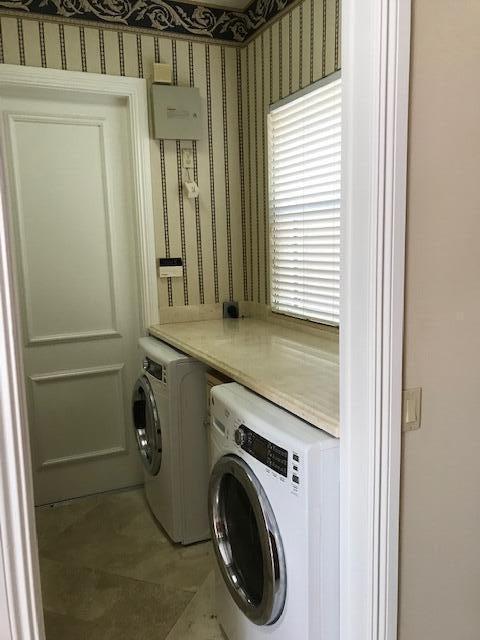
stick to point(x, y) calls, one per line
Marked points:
point(247, 541)
point(147, 425)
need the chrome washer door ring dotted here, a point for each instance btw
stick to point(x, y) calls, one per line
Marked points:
point(147, 426)
point(247, 541)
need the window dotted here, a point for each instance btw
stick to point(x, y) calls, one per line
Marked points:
point(304, 194)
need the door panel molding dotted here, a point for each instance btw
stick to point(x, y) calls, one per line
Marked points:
point(72, 337)
point(119, 447)
point(75, 373)
point(83, 457)
point(81, 120)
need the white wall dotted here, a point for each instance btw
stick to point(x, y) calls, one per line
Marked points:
point(440, 524)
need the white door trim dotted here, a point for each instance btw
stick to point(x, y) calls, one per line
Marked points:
point(375, 73)
point(18, 544)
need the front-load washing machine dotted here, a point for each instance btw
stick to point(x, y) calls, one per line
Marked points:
point(169, 409)
point(274, 518)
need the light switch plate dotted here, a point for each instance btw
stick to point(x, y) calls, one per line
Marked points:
point(411, 409)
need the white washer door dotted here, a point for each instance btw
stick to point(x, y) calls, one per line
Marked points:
point(247, 541)
point(146, 421)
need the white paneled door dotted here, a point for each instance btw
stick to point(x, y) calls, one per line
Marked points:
point(70, 179)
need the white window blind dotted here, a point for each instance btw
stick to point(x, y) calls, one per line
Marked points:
point(304, 195)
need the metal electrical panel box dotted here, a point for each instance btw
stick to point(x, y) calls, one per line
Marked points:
point(177, 112)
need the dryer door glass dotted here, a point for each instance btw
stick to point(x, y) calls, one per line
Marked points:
point(247, 541)
point(148, 430)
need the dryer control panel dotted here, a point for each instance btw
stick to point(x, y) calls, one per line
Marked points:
point(263, 450)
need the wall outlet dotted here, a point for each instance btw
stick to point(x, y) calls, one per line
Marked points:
point(411, 409)
point(187, 158)
point(230, 309)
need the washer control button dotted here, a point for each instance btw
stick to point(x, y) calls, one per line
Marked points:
point(240, 436)
point(296, 479)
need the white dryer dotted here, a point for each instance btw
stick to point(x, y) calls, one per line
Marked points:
point(274, 518)
point(169, 409)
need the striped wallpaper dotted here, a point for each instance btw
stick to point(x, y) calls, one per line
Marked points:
point(291, 53)
point(222, 237)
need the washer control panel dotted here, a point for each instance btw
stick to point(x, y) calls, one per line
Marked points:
point(263, 450)
point(155, 369)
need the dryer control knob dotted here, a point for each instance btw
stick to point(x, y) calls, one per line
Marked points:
point(240, 436)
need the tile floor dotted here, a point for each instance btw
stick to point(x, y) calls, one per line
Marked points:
point(109, 572)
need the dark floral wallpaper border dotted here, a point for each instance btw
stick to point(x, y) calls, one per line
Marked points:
point(165, 16)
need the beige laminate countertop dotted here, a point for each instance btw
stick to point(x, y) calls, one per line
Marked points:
point(294, 369)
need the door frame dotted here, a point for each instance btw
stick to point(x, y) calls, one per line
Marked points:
point(18, 544)
point(375, 77)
